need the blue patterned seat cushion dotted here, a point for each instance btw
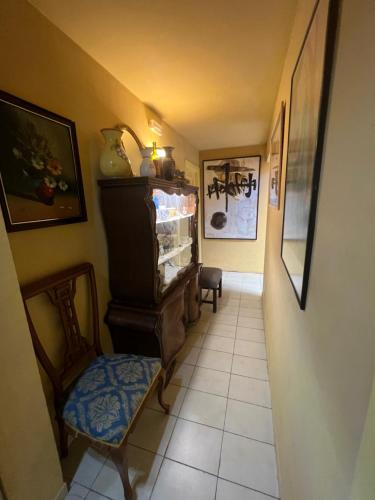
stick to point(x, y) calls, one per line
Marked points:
point(108, 395)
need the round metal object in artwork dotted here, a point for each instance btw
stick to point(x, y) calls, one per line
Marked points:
point(219, 220)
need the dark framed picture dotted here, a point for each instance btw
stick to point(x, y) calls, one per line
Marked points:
point(231, 197)
point(40, 174)
point(276, 158)
point(307, 117)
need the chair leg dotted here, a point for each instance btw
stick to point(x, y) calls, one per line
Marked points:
point(162, 403)
point(120, 458)
point(220, 287)
point(63, 437)
point(214, 292)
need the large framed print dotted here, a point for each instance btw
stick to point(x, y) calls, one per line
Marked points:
point(276, 158)
point(40, 174)
point(231, 196)
point(307, 117)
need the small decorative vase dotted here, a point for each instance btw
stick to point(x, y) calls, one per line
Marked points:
point(147, 168)
point(169, 165)
point(113, 160)
point(45, 193)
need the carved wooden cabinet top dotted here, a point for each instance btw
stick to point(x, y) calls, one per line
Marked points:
point(154, 182)
point(151, 229)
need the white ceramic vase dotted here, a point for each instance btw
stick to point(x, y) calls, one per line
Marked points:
point(147, 168)
point(113, 160)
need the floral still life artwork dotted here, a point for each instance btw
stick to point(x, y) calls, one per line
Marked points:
point(41, 183)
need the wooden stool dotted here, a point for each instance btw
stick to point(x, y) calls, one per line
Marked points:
point(211, 278)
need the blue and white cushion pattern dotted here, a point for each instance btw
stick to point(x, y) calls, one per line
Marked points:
point(108, 395)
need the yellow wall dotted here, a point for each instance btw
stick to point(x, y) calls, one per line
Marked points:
point(363, 486)
point(45, 67)
point(29, 464)
point(322, 360)
point(42, 65)
point(237, 255)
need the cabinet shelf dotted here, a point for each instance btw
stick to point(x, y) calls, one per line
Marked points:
point(173, 253)
point(170, 220)
point(174, 217)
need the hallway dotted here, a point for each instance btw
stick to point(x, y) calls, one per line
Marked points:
point(226, 135)
point(218, 441)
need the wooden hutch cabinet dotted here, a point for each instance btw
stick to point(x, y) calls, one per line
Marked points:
point(151, 228)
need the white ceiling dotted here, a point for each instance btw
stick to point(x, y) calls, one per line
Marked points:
point(211, 68)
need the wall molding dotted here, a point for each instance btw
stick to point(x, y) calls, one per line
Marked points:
point(62, 493)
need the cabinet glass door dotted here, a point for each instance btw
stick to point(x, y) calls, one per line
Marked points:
point(174, 224)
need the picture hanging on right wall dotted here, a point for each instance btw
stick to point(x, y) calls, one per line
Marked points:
point(307, 117)
point(276, 158)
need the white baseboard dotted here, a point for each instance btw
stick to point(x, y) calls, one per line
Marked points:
point(62, 493)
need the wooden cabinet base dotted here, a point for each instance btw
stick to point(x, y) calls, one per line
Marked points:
point(159, 330)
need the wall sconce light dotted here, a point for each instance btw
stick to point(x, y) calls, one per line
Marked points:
point(155, 127)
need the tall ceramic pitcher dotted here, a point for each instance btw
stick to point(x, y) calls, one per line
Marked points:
point(114, 161)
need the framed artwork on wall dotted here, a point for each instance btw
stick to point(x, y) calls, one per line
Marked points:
point(40, 174)
point(231, 197)
point(307, 117)
point(276, 158)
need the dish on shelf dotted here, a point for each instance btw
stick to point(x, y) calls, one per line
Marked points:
point(174, 252)
point(160, 219)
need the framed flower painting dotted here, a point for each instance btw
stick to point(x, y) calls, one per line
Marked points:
point(40, 174)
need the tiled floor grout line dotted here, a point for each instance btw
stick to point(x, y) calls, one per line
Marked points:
point(169, 440)
point(236, 328)
point(225, 416)
point(234, 399)
point(224, 371)
point(226, 407)
point(213, 475)
point(214, 393)
point(157, 475)
point(248, 488)
point(255, 342)
point(233, 353)
point(252, 327)
point(239, 374)
point(213, 427)
point(97, 493)
point(95, 478)
point(89, 488)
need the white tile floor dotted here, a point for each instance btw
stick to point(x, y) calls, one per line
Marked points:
point(217, 443)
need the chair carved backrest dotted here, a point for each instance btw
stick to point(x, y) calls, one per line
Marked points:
point(61, 291)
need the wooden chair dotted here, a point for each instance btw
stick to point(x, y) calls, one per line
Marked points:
point(99, 396)
point(211, 278)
